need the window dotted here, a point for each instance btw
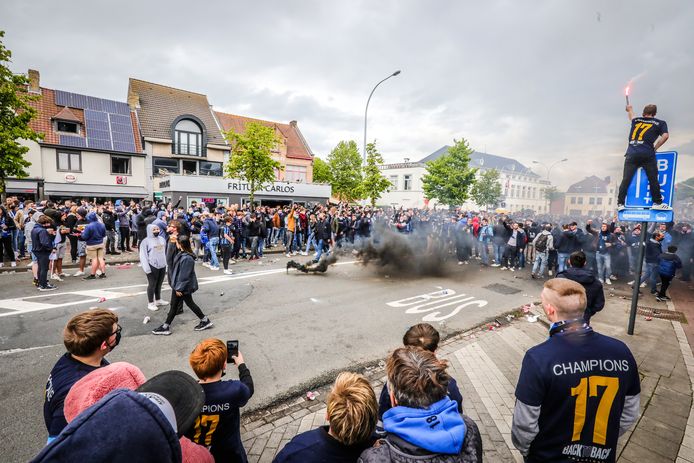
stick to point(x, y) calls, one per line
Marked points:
point(187, 138)
point(295, 173)
point(393, 182)
point(407, 182)
point(591, 200)
point(580, 200)
point(67, 127)
point(120, 165)
point(213, 169)
point(69, 162)
point(609, 202)
point(164, 166)
point(190, 167)
point(598, 201)
point(573, 200)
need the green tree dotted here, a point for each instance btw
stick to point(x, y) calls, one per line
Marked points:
point(487, 190)
point(374, 183)
point(251, 158)
point(15, 115)
point(345, 171)
point(321, 171)
point(448, 179)
point(551, 193)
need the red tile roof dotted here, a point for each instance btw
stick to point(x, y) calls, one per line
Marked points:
point(297, 148)
point(66, 115)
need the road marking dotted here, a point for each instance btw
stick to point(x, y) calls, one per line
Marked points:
point(21, 305)
point(438, 299)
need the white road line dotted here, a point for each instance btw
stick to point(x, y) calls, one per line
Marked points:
point(21, 305)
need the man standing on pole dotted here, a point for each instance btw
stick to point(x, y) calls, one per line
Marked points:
point(647, 134)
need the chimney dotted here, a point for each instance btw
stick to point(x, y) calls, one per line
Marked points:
point(133, 100)
point(292, 123)
point(34, 81)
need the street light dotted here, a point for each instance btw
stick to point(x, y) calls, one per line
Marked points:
point(366, 111)
point(549, 170)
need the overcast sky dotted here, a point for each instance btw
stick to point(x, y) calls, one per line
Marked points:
point(533, 83)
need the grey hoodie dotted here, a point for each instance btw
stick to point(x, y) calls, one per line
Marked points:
point(152, 251)
point(29, 225)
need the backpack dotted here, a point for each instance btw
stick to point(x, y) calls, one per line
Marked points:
point(541, 244)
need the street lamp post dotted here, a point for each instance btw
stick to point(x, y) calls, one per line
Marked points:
point(549, 171)
point(366, 111)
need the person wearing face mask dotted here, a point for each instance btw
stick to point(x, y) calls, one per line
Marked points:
point(88, 338)
point(153, 261)
point(183, 283)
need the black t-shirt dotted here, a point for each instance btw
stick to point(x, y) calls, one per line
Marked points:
point(317, 446)
point(66, 372)
point(580, 381)
point(643, 133)
point(218, 426)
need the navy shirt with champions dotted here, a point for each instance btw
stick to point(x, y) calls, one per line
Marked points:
point(580, 381)
point(218, 426)
point(66, 372)
point(643, 134)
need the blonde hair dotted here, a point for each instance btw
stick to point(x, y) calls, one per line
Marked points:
point(208, 358)
point(352, 409)
point(567, 296)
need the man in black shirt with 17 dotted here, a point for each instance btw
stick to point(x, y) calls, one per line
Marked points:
point(646, 135)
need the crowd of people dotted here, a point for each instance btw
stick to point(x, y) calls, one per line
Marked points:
point(418, 415)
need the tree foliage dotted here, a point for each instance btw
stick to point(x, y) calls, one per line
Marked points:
point(374, 183)
point(448, 179)
point(15, 115)
point(251, 158)
point(487, 190)
point(345, 171)
point(321, 171)
point(551, 193)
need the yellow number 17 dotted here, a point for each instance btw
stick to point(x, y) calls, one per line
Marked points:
point(589, 386)
point(644, 128)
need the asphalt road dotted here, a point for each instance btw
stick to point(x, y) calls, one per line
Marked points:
point(294, 330)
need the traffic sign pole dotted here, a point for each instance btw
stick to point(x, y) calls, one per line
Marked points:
point(637, 279)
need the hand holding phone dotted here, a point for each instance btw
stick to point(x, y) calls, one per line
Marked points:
point(232, 350)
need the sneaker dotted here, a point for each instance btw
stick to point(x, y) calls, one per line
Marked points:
point(602, 282)
point(161, 302)
point(13, 264)
point(56, 277)
point(643, 285)
point(152, 306)
point(90, 277)
point(621, 207)
point(214, 269)
point(496, 265)
point(550, 273)
point(48, 287)
point(532, 275)
point(608, 281)
point(667, 298)
point(78, 273)
point(659, 299)
point(232, 261)
point(206, 264)
point(504, 268)
point(203, 325)
point(228, 272)
point(64, 275)
point(661, 207)
point(102, 276)
point(163, 330)
point(36, 282)
point(631, 283)
point(304, 253)
point(288, 255)
point(512, 269)
point(613, 278)
point(460, 262)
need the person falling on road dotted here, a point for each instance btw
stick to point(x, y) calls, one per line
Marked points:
point(646, 135)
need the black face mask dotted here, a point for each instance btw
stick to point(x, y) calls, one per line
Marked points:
point(117, 341)
point(155, 234)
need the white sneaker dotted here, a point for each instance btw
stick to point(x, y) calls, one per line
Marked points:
point(152, 306)
point(295, 253)
point(161, 302)
point(232, 261)
point(206, 264)
point(549, 272)
point(304, 253)
point(608, 281)
point(601, 281)
point(460, 262)
point(64, 274)
point(13, 264)
point(643, 285)
point(78, 273)
point(631, 282)
point(56, 277)
point(228, 272)
point(512, 269)
point(496, 265)
point(504, 268)
point(214, 269)
point(288, 255)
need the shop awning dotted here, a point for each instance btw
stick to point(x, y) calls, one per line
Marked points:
point(89, 191)
point(20, 186)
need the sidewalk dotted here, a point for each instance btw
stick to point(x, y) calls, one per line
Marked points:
point(486, 364)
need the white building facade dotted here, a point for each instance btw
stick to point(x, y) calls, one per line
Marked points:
point(521, 188)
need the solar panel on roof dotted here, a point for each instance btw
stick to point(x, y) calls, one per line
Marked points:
point(70, 140)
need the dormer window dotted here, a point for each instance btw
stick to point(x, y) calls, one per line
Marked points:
point(187, 138)
point(68, 127)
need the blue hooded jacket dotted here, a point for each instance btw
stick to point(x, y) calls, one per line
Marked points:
point(100, 433)
point(95, 232)
point(439, 428)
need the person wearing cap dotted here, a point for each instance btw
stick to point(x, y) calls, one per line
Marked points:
point(218, 424)
point(352, 414)
point(88, 338)
point(120, 375)
point(158, 414)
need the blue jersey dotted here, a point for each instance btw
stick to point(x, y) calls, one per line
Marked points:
point(218, 426)
point(66, 372)
point(317, 446)
point(643, 134)
point(580, 380)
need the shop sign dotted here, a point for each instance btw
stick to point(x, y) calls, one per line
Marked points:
point(69, 178)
